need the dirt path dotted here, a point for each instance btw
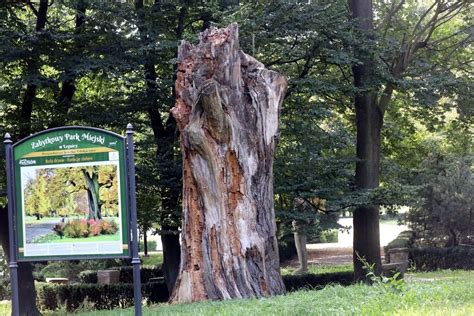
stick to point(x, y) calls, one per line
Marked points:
point(328, 255)
point(341, 252)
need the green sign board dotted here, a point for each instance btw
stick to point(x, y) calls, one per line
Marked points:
point(71, 195)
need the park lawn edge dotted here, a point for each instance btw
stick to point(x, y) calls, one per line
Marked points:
point(434, 293)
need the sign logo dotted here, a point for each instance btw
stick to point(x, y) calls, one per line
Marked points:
point(27, 162)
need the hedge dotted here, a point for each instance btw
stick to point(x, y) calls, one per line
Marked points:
point(431, 258)
point(286, 247)
point(317, 281)
point(110, 296)
point(126, 274)
point(99, 296)
point(5, 290)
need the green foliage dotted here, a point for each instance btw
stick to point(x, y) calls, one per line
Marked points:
point(151, 245)
point(432, 259)
point(37, 200)
point(65, 191)
point(4, 277)
point(385, 283)
point(152, 259)
point(97, 296)
point(443, 217)
point(327, 236)
point(317, 281)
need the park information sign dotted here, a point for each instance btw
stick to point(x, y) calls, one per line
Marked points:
point(71, 195)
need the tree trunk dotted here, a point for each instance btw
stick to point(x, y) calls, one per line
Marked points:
point(93, 188)
point(171, 255)
point(26, 107)
point(227, 112)
point(68, 87)
point(165, 138)
point(145, 240)
point(369, 119)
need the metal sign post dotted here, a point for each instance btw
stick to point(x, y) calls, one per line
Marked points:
point(11, 225)
point(133, 218)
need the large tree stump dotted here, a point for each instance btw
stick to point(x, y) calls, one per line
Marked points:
point(227, 111)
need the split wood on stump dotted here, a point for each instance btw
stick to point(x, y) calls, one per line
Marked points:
point(227, 112)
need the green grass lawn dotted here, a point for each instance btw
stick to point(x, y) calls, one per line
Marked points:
point(434, 293)
point(53, 237)
point(5, 308)
point(152, 259)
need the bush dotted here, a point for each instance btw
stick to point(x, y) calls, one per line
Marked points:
point(329, 236)
point(108, 227)
point(286, 247)
point(80, 228)
point(317, 281)
point(430, 258)
point(99, 296)
point(109, 296)
point(126, 274)
point(5, 290)
point(443, 215)
point(151, 245)
point(88, 276)
point(76, 228)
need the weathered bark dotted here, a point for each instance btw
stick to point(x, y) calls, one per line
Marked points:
point(369, 120)
point(227, 112)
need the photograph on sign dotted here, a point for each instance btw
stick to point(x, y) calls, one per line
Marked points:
point(71, 210)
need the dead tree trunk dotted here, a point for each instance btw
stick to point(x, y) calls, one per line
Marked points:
point(227, 111)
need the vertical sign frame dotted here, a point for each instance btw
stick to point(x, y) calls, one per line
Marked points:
point(73, 154)
point(137, 287)
point(13, 265)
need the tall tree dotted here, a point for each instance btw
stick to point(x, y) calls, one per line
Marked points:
point(369, 120)
point(400, 64)
point(164, 134)
point(32, 69)
point(68, 87)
